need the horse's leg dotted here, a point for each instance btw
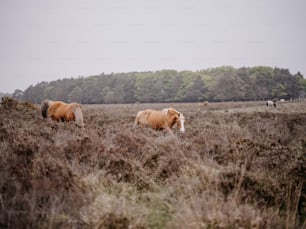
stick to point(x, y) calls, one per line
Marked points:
point(55, 118)
point(136, 122)
point(168, 129)
point(69, 117)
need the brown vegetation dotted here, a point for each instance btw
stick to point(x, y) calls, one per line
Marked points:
point(237, 165)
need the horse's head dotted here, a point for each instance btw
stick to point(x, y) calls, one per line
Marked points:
point(175, 117)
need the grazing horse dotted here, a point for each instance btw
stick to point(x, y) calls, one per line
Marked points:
point(271, 103)
point(160, 120)
point(61, 111)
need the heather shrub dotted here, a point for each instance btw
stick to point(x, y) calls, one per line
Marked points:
point(238, 165)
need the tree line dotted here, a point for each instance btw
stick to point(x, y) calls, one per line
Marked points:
point(214, 84)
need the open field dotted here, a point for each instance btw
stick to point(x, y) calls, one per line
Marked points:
point(238, 165)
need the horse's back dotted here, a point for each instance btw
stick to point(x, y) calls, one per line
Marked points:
point(57, 105)
point(149, 117)
point(60, 111)
point(156, 119)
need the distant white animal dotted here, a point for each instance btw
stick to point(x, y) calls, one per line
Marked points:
point(271, 103)
point(282, 100)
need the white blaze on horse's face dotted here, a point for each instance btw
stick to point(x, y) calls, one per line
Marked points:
point(179, 122)
point(182, 120)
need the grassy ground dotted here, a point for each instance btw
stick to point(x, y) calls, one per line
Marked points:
point(238, 165)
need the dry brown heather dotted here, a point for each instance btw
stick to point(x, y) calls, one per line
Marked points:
point(239, 165)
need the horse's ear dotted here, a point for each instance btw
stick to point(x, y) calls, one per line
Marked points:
point(170, 111)
point(173, 112)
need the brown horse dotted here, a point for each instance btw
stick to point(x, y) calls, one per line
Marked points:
point(159, 120)
point(61, 111)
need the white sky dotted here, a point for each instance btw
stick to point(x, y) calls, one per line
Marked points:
point(49, 40)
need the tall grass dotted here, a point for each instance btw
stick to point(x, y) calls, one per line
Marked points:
point(244, 168)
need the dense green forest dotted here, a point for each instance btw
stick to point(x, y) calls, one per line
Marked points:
point(214, 84)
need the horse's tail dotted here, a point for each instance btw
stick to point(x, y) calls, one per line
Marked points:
point(137, 119)
point(44, 108)
point(78, 116)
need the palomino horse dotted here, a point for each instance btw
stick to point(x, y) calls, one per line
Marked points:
point(61, 111)
point(158, 120)
point(271, 103)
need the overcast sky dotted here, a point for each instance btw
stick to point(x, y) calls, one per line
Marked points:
point(49, 40)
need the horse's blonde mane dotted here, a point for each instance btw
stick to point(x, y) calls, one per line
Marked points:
point(165, 111)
